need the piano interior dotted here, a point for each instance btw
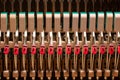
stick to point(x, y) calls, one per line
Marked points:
point(59, 39)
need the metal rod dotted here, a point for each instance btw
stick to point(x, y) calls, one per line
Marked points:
point(49, 61)
point(6, 61)
point(41, 61)
point(32, 59)
point(99, 60)
point(67, 57)
point(15, 61)
point(23, 60)
point(58, 61)
point(75, 61)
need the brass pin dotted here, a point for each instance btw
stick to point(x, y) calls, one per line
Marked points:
point(116, 60)
point(108, 57)
point(82, 71)
point(50, 56)
point(59, 56)
point(76, 42)
point(41, 56)
point(6, 72)
point(32, 73)
point(24, 73)
point(67, 57)
point(99, 71)
point(25, 39)
point(41, 71)
point(93, 43)
point(15, 72)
